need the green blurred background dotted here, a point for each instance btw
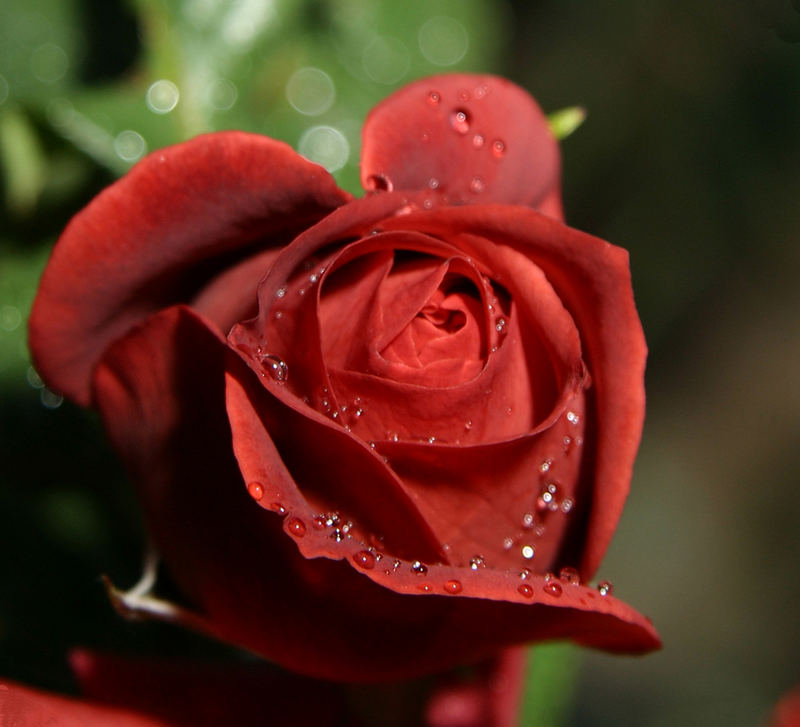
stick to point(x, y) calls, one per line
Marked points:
point(690, 158)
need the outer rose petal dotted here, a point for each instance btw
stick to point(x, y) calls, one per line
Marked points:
point(468, 138)
point(592, 278)
point(197, 694)
point(159, 235)
point(22, 706)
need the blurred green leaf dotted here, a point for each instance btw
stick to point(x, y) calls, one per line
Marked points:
point(22, 161)
point(566, 121)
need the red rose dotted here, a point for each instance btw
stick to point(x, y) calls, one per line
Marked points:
point(433, 395)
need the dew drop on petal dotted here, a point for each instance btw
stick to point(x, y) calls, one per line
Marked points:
point(296, 527)
point(572, 417)
point(605, 588)
point(545, 466)
point(275, 367)
point(498, 148)
point(378, 183)
point(419, 568)
point(553, 588)
point(256, 490)
point(433, 183)
point(476, 185)
point(570, 575)
point(476, 562)
point(425, 587)
point(525, 573)
point(453, 587)
point(526, 590)
point(319, 522)
point(566, 505)
point(527, 520)
point(364, 559)
point(459, 121)
point(477, 141)
point(434, 97)
point(527, 552)
point(508, 543)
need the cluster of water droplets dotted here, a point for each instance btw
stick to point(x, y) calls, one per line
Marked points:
point(363, 551)
point(460, 121)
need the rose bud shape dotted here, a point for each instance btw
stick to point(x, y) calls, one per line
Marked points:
point(373, 438)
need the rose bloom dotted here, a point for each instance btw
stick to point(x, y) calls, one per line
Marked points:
point(372, 438)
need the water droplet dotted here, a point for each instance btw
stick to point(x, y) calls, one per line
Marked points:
point(525, 573)
point(459, 121)
point(433, 183)
point(477, 141)
point(319, 522)
point(296, 527)
point(275, 367)
point(572, 417)
point(498, 148)
point(434, 97)
point(396, 564)
point(256, 490)
point(508, 543)
point(500, 324)
point(277, 507)
point(476, 562)
point(566, 505)
point(425, 587)
point(280, 292)
point(476, 185)
point(463, 95)
point(527, 520)
point(527, 552)
point(419, 568)
point(567, 443)
point(553, 588)
point(364, 559)
point(453, 587)
point(570, 575)
point(431, 439)
point(426, 137)
point(545, 466)
point(378, 183)
point(526, 590)
point(605, 588)
point(468, 424)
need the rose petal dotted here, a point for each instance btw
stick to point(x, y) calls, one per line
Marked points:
point(467, 138)
point(208, 694)
point(23, 706)
point(492, 699)
point(158, 236)
point(592, 279)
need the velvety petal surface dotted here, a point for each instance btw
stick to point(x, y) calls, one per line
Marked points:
point(161, 235)
point(592, 279)
point(22, 706)
point(194, 693)
point(465, 139)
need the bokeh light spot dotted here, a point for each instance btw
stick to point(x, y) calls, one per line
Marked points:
point(310, 91)
point(325, 146)
point(386, 60)
point(130, 146)
point(49, 63)
point(162, 96)
point(443, 41)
